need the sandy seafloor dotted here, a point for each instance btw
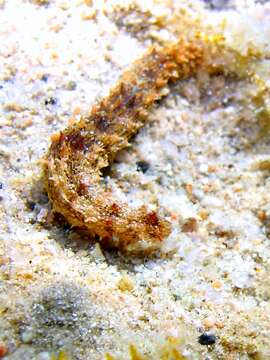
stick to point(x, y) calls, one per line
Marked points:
point(203, 160)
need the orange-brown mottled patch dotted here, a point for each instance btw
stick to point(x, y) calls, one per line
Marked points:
point(152, 219)
point(76, 140)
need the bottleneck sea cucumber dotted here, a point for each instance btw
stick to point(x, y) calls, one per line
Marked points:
point(78, 154)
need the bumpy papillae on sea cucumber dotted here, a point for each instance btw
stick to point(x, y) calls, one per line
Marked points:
point(79, 153)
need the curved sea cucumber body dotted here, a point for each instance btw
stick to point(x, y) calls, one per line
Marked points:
point(79, 153)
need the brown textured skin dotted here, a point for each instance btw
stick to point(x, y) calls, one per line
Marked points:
point(79, 153)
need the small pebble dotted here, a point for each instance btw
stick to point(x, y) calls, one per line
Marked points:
point(125, 284)
point(217, 4)
point(143, 166)
point(41, 2)
point(44, 355)
point(71, 85)
point(203, 168)
point(50, 101)
point(190, 225)
point(3, 351)
point(207, 339)
point(27, 336)
point(45, 77)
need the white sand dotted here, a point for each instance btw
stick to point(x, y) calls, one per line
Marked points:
point(208, 155)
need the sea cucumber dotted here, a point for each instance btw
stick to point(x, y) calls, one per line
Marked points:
point(78, 154)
